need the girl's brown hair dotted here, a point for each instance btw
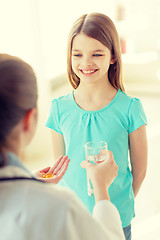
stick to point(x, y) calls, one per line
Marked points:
point(18, 93)
point(101, 28)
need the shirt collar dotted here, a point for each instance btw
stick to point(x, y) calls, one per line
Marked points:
point(13, 160)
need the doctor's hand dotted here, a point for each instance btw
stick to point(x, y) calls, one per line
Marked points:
point(53, 174)
point(101, 175)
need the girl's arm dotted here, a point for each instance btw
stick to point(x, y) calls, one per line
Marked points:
point(58, 144)
point(138, 156)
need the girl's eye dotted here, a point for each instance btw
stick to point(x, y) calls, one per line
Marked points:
point(97, 55)
point(77, 55)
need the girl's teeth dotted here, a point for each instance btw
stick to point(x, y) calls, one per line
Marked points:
point(88, 71)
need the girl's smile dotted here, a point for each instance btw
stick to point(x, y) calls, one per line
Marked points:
point(88, 71)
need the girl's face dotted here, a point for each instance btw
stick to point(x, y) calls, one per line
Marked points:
point(90, 59)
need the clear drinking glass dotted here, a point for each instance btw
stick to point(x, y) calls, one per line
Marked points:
point(95, 152)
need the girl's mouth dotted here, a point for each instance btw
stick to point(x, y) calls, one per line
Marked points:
point(88, 71)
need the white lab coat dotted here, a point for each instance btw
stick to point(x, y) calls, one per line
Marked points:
point(31, 210)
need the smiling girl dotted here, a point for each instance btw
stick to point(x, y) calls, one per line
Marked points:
point(99, 109)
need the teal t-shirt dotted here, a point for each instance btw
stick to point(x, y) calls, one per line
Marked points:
point(112, 124)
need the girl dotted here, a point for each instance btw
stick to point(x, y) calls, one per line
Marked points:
point(98, 109)
point(29, 208)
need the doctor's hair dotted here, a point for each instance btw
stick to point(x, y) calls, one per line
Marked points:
point(101, 28)
point(18, 94)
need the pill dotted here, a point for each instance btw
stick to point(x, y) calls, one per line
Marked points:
point(47, 175)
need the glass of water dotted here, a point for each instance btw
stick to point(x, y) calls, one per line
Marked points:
point(95, 152)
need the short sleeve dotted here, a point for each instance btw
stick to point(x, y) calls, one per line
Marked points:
point(136, 115)
point(53, 121)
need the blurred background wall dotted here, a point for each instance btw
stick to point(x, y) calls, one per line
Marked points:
point(37, 31)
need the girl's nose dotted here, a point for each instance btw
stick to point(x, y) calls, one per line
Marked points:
point(86, 62)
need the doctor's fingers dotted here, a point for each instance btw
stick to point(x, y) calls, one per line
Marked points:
point(63, 165)
point(45, 170)
point(112, 166)
point(58, 164)
point(63, 169)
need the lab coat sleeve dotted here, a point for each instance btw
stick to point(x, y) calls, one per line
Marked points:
point(107, 214)
point(81, 225)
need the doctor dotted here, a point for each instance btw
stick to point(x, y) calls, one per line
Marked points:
point(33, 209)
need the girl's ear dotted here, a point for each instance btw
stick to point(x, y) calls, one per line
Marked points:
point(113, 60)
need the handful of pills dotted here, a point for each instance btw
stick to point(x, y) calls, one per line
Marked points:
point(47, 175)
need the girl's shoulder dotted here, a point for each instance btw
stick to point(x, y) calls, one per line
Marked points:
point(131, 106)
point(128, 104)
point(64, 98)
point(63, 103)
point(124, 98)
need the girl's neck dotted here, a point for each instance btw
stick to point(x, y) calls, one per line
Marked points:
point(94, 97)
point(92, 91)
